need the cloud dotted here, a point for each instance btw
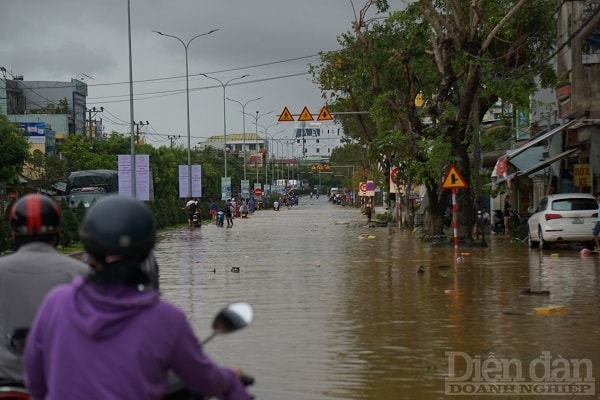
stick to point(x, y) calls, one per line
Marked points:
point(271, 40)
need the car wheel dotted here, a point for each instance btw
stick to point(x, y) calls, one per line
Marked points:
point(543, 244)
point(532, 243)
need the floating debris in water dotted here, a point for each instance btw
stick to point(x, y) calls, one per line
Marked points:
point(235, 270)
point(530, 292)
point(551, 310)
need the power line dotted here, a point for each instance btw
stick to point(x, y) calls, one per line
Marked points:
point(165, 93)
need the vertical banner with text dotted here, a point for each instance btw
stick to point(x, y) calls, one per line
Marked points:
point(225, 188)
point(142, 175)
point(184, 181)
point(245, 189)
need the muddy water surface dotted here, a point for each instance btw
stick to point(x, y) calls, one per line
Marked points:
point(344, 311)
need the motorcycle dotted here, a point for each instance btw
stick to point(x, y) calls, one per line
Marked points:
point(196, 222)
point(233, 317)
point(498, 222)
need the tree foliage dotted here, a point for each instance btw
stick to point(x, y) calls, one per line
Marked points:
point(459, 57)
point(14, 153)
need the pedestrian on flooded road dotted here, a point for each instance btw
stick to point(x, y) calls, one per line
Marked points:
point(214, 208)
point(597, 227)
point(507, 214)
point(229, 210)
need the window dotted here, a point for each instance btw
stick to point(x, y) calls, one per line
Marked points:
point(574, 205)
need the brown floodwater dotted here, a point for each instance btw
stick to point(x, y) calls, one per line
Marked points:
point(347, 311)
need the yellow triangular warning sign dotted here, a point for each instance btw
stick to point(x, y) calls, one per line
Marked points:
point(324, 115)
point(305, 115)
point(286, 115)
point(454, 180)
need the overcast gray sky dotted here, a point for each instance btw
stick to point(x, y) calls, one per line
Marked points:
point(271, 40)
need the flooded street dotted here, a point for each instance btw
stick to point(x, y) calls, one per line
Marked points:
point(346, 311)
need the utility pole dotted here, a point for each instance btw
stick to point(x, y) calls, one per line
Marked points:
point(137, 130)
point(172, 138)
point(92, 123)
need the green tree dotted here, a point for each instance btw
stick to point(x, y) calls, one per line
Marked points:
point(14, 154)
point(70, 225)
point(448, 53)
point(43, 170)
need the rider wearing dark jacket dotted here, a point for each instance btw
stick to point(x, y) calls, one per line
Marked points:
point(27, 275)
point(111, 336)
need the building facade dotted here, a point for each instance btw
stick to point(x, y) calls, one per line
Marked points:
point(59, 106)
point(565, 156)
point(317, 140)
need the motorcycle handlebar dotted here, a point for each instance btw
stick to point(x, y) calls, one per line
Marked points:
point(247, 380)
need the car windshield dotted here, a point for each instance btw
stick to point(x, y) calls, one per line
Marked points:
point(574, 204)
point(86, 198)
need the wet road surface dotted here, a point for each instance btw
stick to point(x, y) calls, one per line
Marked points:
point(346, 311)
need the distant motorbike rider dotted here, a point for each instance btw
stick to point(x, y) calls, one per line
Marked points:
point(27, 275)
point(191, 207)
point(110, 335)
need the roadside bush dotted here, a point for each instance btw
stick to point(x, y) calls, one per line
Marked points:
point(70, 225)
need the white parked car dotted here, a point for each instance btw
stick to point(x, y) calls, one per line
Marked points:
point(560, 218)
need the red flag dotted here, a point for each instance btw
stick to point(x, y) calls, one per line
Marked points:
point(501, 167)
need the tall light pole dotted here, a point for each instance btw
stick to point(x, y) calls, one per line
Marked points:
point(244, 125)
point(187, 95)
point(266, 132)
point(132, 122)
point(256, 117)
point(224, 85)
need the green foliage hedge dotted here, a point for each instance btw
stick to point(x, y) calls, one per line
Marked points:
point(167, 212)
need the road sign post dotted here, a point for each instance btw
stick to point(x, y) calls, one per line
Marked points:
point(453, 180)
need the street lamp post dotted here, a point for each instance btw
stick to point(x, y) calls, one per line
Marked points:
point(224, 85)
point(187, 95)
point(256, 117)
point(272, 137)
point(244, 125)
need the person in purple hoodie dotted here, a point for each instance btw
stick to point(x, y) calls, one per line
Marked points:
point(110, 336)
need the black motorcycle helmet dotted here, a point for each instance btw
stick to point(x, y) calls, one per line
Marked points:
point(34, 216)
point(118, 226)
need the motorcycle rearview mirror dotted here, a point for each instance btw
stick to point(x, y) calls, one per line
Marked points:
point(230, 319)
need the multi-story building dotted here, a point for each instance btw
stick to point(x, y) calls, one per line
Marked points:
point(565, 156)
point(46, 110)
point(251, 146)
point(315, 141)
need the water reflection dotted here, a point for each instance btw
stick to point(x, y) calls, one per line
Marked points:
point(343, 311)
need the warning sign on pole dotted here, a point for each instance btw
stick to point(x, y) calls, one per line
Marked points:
point(324, 115)
point(453, 179)
point(305, 115)
point(286, 115)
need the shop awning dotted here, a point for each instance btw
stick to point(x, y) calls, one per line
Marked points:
point(535, 168)
point(591, 33)
point(515, 152)
point(547, 163)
